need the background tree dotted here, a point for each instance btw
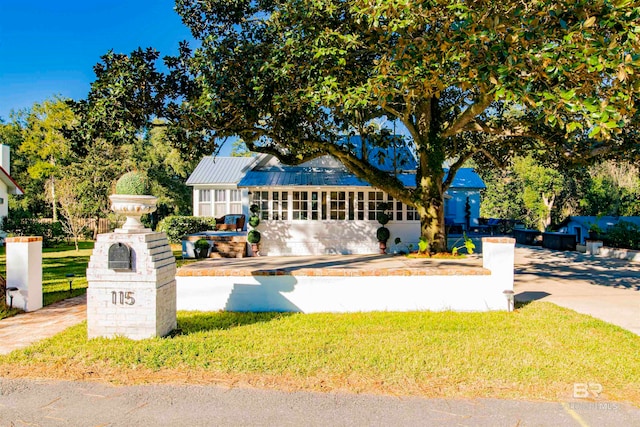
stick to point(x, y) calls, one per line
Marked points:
point(239, 149)
point(612, 188)
point(541, 187)
point(44, 141)
point(74, 222)
point(462, 80)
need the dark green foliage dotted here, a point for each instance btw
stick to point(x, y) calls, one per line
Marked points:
point(253, 237)
point(255, 209)
point(201, 244)
point(254, 221)
point(383, 234)
point(623, 235)
point(21, 223)
point(136, 183)
point(178, 226)
point(382, 218)
point(201, 247)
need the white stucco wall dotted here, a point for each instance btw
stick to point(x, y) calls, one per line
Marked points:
point(330, 237)
point(474, 289)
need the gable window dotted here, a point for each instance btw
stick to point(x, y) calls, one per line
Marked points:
point(360, 205)
point(220, 203)
point(375, 198)
point(398, 205)
point(280, 205)
point(226, 201)
point(261, 198)
point(338, 205)
point(315, 206)
point(300, 205)
point(235, 201)
point(412, 213)
point(204, 202)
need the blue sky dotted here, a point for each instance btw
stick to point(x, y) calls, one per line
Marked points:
point(50, 47)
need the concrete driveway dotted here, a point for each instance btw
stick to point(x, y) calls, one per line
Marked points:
point(605, 288)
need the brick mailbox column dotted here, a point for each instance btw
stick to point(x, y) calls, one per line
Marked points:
point(24, 272)
point(132, 287)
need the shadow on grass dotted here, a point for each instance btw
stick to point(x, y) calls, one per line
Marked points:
point(49, 298)
point(193, 322)
point(84, 244)
point(5, 311)
point(53, 267)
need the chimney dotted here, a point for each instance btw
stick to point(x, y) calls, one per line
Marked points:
point(5, 158)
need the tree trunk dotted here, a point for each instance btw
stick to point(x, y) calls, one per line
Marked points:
point(430, 191)
point(548, 204)
point(431, 211)
point(53, 199)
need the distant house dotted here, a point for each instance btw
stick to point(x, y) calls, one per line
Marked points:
point(580, 225)
point(7, 183)
point(320, 207)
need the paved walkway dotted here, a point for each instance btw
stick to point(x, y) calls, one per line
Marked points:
point(608, 289)
point(24, 329)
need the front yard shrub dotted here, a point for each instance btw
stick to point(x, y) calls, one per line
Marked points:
point(177, 226)
point(20, 223)
point(623, 235)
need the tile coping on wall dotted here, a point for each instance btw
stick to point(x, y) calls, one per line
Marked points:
point(336, 272)
point(499, 240)
point(23, 239)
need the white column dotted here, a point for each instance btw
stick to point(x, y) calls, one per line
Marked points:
point(593, 247)
point(24, 271)
point(498, 257)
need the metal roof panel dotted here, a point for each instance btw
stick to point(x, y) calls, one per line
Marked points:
point(220, 170)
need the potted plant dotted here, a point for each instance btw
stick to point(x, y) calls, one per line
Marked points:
point(382, 233)
point(132, 200)
point(253, 237)
point(201, 248)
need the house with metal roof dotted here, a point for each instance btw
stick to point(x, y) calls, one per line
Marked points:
point(320, 207)
point(7, 184)
point(580, 225)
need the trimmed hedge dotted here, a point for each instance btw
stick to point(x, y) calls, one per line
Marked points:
point(18, 224)
point(178, 226)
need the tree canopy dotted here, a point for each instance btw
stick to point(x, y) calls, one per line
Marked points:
point(556, 79)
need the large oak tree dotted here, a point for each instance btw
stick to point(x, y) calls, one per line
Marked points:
point(463, 79)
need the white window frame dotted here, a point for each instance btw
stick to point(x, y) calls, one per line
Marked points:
point(204, 202)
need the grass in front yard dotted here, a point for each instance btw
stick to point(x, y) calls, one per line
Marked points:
point(56, 264)
point(536, 352)
point(61, 260)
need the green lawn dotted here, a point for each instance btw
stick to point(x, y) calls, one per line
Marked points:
point(537, 352)
point(56, 264)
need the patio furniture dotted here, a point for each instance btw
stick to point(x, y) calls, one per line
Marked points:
point(230, 222)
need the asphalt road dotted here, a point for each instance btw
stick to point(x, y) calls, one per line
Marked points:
point(59, 403)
